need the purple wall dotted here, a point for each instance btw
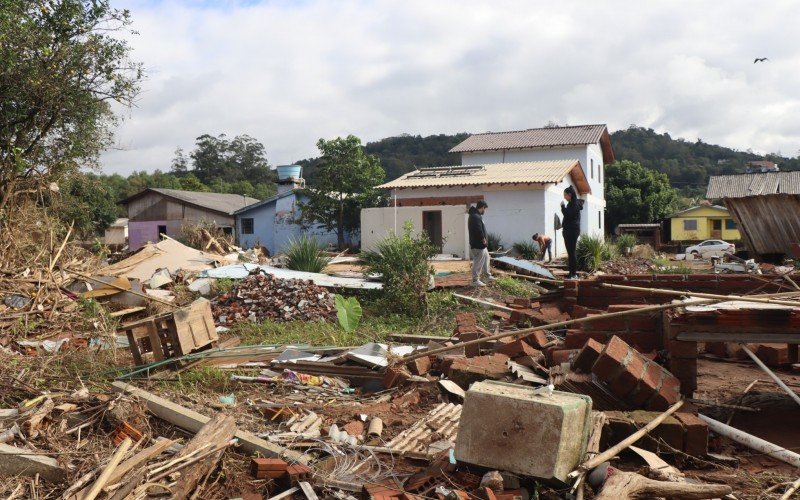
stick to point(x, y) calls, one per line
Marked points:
point(140, 232)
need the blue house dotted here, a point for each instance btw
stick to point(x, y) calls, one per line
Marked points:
point(271, 223)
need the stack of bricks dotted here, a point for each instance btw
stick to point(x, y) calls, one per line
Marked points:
point(774, 355)
point(465, 371)
point(683, 431)
point(629, 375)
point(682, 356)
point(643, 331)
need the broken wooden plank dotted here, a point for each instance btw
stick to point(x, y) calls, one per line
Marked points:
point(139, 459)
point(16, 462)
point(216, 433)
point(473, 300)
point(101, 481)
point(308, 491)
point(285, 494)
point(193, 421)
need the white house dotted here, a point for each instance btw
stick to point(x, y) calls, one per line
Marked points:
point(521, 175)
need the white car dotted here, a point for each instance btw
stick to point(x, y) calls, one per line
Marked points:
point(712, 246)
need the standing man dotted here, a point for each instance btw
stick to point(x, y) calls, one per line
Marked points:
point(571, 227)
point(545, 243)
point(478, 244)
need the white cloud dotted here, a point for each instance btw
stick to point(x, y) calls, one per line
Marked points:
point(289, 72)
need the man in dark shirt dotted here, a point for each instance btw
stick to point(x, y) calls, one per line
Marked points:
point(478, 244)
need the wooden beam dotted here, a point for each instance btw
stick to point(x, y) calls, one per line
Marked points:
point(193, 421)
point(217, 432)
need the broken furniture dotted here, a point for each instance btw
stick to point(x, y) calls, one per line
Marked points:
point(172, 335)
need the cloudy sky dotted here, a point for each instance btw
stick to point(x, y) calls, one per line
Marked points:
point(289, 72)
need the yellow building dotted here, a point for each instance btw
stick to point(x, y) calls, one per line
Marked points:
point(703, 223)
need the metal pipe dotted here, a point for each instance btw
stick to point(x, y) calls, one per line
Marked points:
point(769, 372)
point(726, 298)
point(752, 442)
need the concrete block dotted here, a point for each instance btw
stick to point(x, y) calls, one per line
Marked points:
point(510, 427)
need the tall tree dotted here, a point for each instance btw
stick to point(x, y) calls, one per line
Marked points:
point(241, 159)
point(63, 62)
point(345, 183)
point(180, 164)
point(635, 194)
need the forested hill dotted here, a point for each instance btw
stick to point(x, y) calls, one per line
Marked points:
point(688, 164)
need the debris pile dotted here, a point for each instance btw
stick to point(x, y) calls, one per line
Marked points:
point(260, 297)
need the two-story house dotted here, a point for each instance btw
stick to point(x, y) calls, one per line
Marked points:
point(521, 175)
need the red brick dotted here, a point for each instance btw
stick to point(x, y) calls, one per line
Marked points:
point(268, 464)
point(516, 349)
point(695, 437)
point(587, 356)
point(558, 356)
point(537, 339)
point(465, 371)
point(420, 366)
point(626, 382)
point(471, 350)
point(642, 341)
point(773, 354)
point(642, 323)
point(648, 385)
point(683, 368)
point(668, 393)
point(610, 361)
point(670, 430)
point(606, 324)
point(718, 349)
point(678, 349)
point(395, 376)
point(501, 315)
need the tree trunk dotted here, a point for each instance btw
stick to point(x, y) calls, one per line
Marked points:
point(340, 226)
point(629, 486)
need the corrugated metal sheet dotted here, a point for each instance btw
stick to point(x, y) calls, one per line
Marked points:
point(218, 202)
point(740, 186)
point(532, 138)
point(441, 423)
point(528, 172)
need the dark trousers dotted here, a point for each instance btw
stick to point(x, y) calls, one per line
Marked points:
point(571, 241)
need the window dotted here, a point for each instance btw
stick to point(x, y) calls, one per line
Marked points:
point(600, 172)
point(162, 230)
point(600, 219)
point(591, 162)
point(730, 224)
point(227, 230)
point(690, 225)
point(247, 226)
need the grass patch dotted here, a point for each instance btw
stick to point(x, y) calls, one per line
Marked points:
point(665, 266)
point(305, 254)
point(376, 326)
point(224, 285)
point(592, 251)
point(204, 378)
point(527, 249)
point(516, 287)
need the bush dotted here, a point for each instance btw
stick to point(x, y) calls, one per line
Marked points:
point(305, 254)
point(625, 241)
point(592, 251)
point(527, 249)
point(403, 263)
point(495, 242)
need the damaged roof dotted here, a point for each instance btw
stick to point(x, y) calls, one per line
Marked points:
point(547, 137)
point(218, 202)
point(527, 172)
point(743, 185)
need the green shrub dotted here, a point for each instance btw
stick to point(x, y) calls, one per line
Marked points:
point(516, 287)
point(527, 249)
point(625, 240)
point(305, 254)
point(494, 242)
point(403, 263)
point(592, 251)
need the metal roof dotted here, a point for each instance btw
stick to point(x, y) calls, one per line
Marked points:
point(681, 212)
point(267, 201)
point(741, 186)
point(578, 135)
point(528, 172)
point(217, 202)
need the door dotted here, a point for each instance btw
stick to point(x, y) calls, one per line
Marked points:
point(432, 224)
point(161, 230)
point(716, 228)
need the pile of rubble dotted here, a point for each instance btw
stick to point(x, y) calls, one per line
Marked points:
point(262, 297)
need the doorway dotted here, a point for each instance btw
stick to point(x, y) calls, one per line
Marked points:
point(162, 230)
point(716, 228)
point(432, 224)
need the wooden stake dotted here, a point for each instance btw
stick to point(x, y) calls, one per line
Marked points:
point(789, 492)
point(112, 285)
point(614, 450)
point(771, 374)
point(101, 481)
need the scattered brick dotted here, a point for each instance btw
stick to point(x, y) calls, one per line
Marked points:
point(773, 354)
point(626, 381)
point(559, 355)
point(465, 371)
point(420, 366)
point(611, 359)
point(516, 349)
point(537, 339)
point(670, 430)
point(395, 376)
point(695, 438)
point(678, 349)
point(587, 356)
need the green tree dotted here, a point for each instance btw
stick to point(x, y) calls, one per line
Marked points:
point(62, 65)
point(220, 159)
point(635, 194)
point(87, 201)
point(345, 183)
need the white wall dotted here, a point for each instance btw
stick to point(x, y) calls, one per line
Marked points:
point(378, 223)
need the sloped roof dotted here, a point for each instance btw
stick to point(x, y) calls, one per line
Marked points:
point(217, 202)
point(740, 186)
point(690, 209)
point(527, 172)
point(578, 135)
point(271, 199)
